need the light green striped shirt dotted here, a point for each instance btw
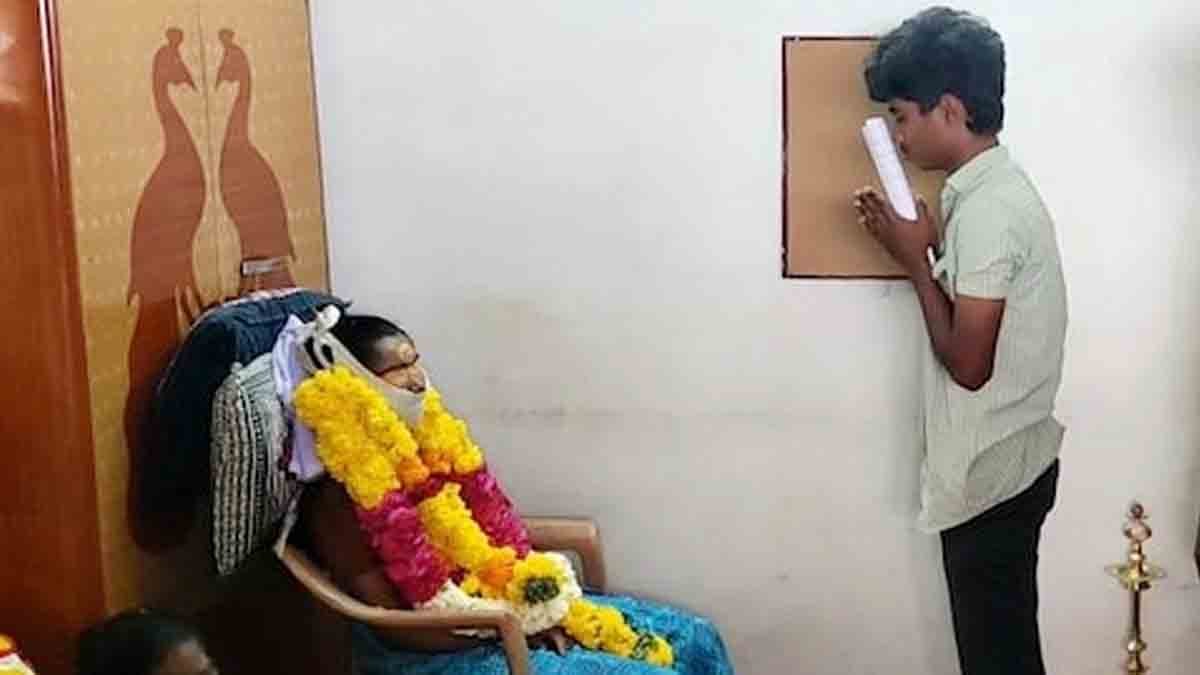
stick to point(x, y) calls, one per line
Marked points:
point(984, 447)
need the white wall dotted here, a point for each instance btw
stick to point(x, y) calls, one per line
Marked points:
point(575, 208)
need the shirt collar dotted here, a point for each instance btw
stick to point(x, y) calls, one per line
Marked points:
point(973, 172)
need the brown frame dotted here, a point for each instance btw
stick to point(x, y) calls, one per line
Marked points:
point(785, 270)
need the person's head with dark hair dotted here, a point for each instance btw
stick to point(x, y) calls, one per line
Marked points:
point(383, 348)
point(142, 642)
point(941, 73)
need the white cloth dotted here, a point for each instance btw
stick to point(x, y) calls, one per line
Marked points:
point(408, 405)
point(292, 364)
point(289, 372)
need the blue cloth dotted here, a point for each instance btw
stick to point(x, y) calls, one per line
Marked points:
point(697, 644)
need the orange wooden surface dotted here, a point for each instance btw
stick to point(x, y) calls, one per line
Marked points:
point(51, 581)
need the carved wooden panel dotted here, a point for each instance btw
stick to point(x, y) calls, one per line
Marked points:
point(193, 144)
point(148, 148)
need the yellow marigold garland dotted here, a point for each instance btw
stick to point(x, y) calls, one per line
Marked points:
point(11, 662)
point(360, 440)
point(473, 586)
point(455, 534)
point(445, 441)
point(531, 580)
point(604, 628)
point(657, 652)
point(365, 446)
point(535, 579)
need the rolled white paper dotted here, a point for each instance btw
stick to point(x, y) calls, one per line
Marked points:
point(887, 164)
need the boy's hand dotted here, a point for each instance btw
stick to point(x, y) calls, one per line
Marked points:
point(906, 240)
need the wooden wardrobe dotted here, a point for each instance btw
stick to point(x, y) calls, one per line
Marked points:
point(150, 148)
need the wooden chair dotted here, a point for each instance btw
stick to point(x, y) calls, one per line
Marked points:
point(578, 536)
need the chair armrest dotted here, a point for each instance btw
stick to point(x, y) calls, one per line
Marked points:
point(577, 535)
point(316, 582)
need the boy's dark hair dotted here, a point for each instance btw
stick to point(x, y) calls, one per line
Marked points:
point(363, 334)
point(131, 643)
point(942, 51)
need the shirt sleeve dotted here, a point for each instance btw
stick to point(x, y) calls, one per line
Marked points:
point(988, 253)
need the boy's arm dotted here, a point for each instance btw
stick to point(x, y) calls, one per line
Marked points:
point(963, 332)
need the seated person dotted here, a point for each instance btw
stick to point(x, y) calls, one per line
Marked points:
point(340, 523)
point(142, 642)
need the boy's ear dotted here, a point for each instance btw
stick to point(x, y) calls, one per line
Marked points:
point(953, 110)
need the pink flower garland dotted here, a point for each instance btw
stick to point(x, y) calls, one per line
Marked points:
point(489, 506)
point(398, 538)
point(494, 512)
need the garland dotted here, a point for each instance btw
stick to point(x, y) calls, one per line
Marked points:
point(11, 662)
point(445, 443)
point(604, 628)
point(362, 442)
point(441, 525)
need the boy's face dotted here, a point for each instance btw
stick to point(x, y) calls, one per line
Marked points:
point(921, 137)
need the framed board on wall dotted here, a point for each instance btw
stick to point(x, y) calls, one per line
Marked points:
point(824, 105)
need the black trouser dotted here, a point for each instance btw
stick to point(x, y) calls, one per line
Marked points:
point(991, 571)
